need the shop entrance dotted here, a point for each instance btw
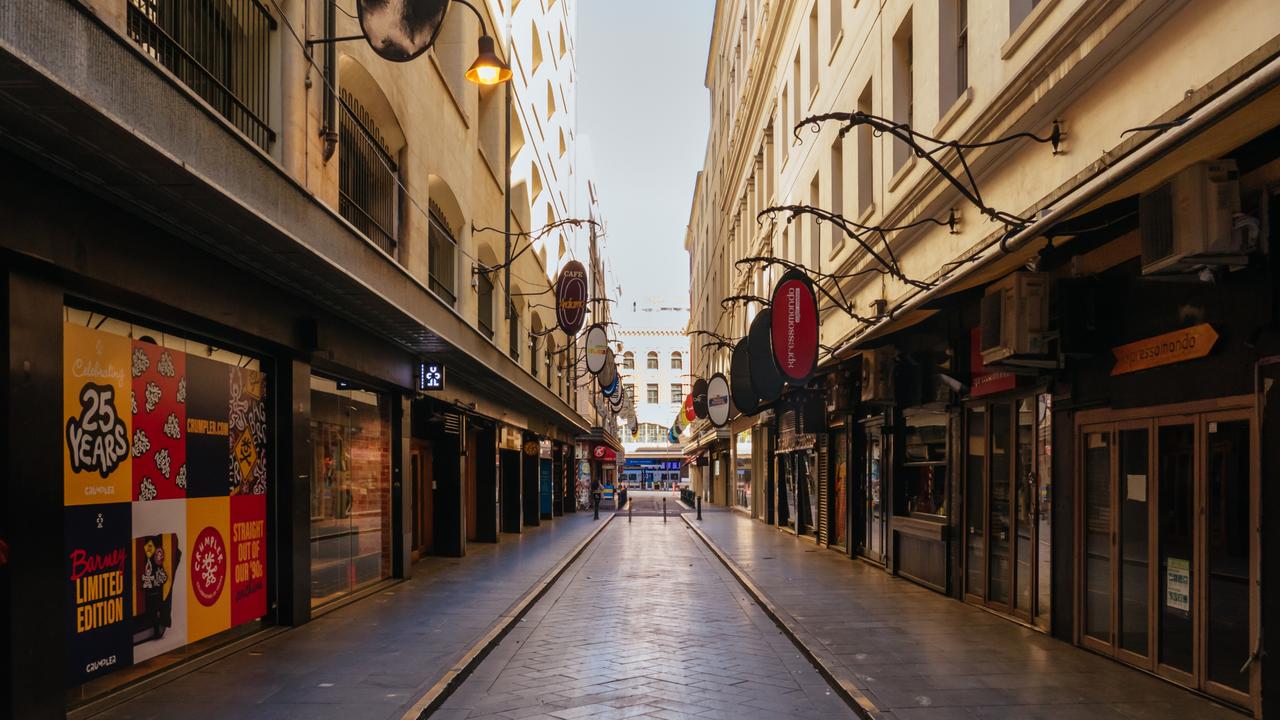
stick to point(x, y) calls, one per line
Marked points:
point(423, 510)
point(873, 543)
point(1008, 446)
point(1168, 542)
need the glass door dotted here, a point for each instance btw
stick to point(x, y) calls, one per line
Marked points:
point(1175, 548)
point(975, 503)
point(1097, 581)
point(807, 467)
point(1228, 551)
point(1000, 521)
point(1133, 538)
point(875, 501)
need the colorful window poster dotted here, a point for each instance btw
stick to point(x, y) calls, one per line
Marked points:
point(96, 412)
point(98, 590)
point(165, 480)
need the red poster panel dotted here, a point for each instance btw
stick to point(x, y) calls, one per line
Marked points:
point(159, 422)
point(248, 558)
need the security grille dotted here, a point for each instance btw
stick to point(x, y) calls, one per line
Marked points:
point(824, 494)
point(221, 49)
point(368, 191)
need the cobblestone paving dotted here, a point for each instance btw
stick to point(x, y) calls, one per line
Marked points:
point(646, 624)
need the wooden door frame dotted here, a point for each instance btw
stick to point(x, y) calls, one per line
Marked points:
point(1198, 414)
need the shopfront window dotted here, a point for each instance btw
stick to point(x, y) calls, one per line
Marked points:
point(924, 469)
point(165, 484)
point(742, 467)
point(350, 489)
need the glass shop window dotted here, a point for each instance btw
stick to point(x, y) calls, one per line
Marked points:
point(924, 467)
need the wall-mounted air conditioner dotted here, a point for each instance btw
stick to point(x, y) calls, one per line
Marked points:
point(877, 375)
point(1015, 317)
point(1187, 222)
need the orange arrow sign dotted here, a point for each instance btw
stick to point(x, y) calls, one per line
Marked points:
point(1186, 344)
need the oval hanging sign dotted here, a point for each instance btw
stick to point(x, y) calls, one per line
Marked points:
point(611, 388)
point(700, 399)
point(794, 327)
point(741, 390)
point(765, 378)
point(571, 297)
point(401, 31)
point(719, 405)
point(687, 409)
point(609, 373)
point(597, 348)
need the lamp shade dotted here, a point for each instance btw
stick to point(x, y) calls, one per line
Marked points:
point(488, 69)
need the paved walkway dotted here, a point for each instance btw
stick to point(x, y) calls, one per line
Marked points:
point(649, 502)
point(646, 624)
point(919, 655)
point(373, 658)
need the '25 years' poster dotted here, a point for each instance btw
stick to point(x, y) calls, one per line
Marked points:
point(164, 481)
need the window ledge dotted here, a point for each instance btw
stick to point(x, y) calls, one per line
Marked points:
point(835, 47)
point(1029, 23)
point(865, 217)
point(813, 94)
point(957, 107)
point(902, 172)
point(494, 171)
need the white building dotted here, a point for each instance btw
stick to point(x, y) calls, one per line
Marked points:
point(653, 354)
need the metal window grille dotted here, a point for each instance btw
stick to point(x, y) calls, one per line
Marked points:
point(440, 264)
point(221, 49)
point(484, 301)
point(368, 187)
point(513, 333)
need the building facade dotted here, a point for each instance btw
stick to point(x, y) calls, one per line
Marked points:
point(1046, 303)
point(653, 352)
point(257, 282)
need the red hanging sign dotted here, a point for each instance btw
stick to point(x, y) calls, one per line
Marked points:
point(794, 327)
point(571, 297)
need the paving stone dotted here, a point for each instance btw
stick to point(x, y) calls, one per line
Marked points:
point(649, 624)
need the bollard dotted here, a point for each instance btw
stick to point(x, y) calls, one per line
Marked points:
point(628, 511)
point(664, 510)
point(699, 508)
point(597, 502)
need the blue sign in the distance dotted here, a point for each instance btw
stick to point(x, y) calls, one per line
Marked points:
point(430, 376)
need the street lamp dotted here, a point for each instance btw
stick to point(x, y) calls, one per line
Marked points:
point(488, 69)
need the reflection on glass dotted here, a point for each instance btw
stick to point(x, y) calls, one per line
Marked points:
point(350, 490)
point(1131, 627)
point(742, 466)
point(1228, 535)
point(1001, 519)
point(839, 460)
point(875, 495)
point(1097, 535)
point(807, 463)
point(1024, 480)
point(1175, 457)
point(975, 501)
point(787, 488)
point(1044, 505)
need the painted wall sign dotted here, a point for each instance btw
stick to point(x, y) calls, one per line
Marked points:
point(985, 381)
point(765, 377)
point(794, 327)
point(597, 348)
point(401, 31)
point(1174, 347)
point(719, 404)
point(742, 392)
point(571, 297)
point(164, 491)
point(700, 398)
point(604, 453)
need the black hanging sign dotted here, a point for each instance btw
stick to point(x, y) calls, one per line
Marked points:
point(571, 297)
point(700, 399)
point(401, 30)
point(765, 378)
point(794, 327)
point(740, 387)
point(597, 349)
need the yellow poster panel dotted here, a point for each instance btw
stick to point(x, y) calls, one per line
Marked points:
point(97, 415)
point(208, 576)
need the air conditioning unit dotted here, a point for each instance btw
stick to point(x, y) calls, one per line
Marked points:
point(1015, 317)
point(877, 375)
point(1186, 223)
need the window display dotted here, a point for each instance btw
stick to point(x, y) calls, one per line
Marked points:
point(742, 465)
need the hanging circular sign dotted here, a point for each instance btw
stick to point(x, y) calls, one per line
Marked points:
point(719, 405)
point(687, 409)
point(609, 373)
point(571, 297)
point(700, 398)
point(401, 31)
point(597, 348)
point(765, 378)
point(794, 327)
point(741, 390)
point(611, 388)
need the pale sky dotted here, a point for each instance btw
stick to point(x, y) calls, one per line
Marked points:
point(643, 106)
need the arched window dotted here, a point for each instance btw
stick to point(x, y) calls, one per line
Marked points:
point(653, 361)
point(677, 361)
point(629, 360)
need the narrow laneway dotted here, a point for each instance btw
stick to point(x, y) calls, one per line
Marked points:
point(646, 624)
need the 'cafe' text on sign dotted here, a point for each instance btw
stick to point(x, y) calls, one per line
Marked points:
point(1186, 344)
